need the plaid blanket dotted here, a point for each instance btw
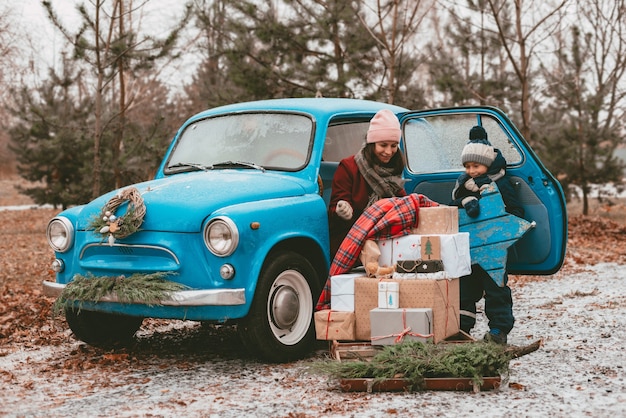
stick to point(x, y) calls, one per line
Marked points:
point(387, 218)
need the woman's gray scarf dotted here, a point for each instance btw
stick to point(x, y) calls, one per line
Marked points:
point(382, 180)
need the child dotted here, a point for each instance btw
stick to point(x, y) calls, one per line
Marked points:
point(484, 164)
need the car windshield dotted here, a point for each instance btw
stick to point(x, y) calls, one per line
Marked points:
point(273, 141)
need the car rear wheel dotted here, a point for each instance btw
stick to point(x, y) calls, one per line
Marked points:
point(102, 329)
point(279, 326)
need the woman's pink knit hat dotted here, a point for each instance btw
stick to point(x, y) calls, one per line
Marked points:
point(384, 126)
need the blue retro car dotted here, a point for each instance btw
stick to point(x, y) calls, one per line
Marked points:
point(237, 216)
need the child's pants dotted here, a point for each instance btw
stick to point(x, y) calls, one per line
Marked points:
point(498, 300)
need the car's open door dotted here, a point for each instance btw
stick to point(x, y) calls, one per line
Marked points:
point(432, 141)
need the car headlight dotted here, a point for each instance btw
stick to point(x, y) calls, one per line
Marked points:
point(221, 236)
point(60, 233)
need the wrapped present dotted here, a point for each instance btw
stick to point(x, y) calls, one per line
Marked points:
point(334, 325)
point(342, 291)
point(438, 220)
point(442, 296)
point(454, 251)
point(388, 295)
point(393, 326)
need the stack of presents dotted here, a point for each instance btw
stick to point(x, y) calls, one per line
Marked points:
point(408, 288)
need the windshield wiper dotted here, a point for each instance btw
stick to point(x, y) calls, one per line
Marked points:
point(201, 167)
point(244, 164)
point(189, 167)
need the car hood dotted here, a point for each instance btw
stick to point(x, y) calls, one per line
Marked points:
point(181, 202)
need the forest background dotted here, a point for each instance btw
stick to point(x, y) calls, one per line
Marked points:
point(124, 74)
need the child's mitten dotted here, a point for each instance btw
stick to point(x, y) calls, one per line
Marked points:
point(471, 205)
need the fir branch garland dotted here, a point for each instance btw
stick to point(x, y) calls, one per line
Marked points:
point(414, 361)
point(148, 289)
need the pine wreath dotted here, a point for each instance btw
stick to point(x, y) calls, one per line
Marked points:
point(110, 225)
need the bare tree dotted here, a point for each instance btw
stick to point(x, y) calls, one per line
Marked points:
point(585, 120)
point(393, 25)
point(109, 42)
point(467, 63)
point(9, 68)
point(522, 32)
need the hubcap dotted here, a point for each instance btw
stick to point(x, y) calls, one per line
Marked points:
point(285, 307)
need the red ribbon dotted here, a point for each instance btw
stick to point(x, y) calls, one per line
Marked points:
point(328, 323)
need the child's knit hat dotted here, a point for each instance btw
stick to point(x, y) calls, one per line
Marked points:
point(384, 126)
point(478, 150)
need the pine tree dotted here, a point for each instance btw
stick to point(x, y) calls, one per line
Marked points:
point(302, 49)
point(49, 138)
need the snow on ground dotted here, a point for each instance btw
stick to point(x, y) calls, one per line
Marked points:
point(578, 372)
point(600, 191)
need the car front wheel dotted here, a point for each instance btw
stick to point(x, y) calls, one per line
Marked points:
point(102, 329)
point(279, 326)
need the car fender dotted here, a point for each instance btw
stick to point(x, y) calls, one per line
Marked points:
point(296, 223)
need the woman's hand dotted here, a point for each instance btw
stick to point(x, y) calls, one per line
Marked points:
point(344, 210)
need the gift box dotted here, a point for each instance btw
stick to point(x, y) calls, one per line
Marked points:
point(342, 291)
point(334, 325)
point(438, 220)
point(454, 251)
point(442, 296)
point(388, 295)
point(393, 326)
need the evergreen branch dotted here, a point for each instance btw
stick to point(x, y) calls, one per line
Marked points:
point(147, 289)
point(415, 361)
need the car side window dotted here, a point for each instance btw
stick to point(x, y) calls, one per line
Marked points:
point(343, 140)
point(434, 143)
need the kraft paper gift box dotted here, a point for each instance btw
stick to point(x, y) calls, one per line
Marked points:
point(454, 251)
point(393, 326)
point(334, 325)
point(342, 291)
point(442, 296)
point(437, 220)
point(388, 295)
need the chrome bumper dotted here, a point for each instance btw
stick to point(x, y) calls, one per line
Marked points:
point(215, 297)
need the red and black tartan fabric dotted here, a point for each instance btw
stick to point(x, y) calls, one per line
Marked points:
point(387, 218)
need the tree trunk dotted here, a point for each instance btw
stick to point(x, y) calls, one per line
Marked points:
point(119, 138)
point(526, 108)
point(585, 201)
point(97, 169)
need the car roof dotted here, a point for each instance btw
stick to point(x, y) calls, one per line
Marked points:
point(316, 106)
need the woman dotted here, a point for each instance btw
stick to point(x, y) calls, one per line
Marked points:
point(375, 172)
